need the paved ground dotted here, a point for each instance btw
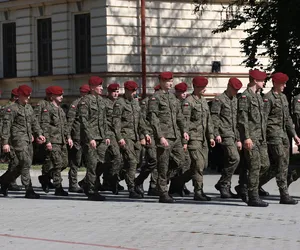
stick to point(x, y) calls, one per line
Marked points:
point(120, 223)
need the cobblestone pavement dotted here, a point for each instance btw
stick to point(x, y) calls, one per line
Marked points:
point(120, 223)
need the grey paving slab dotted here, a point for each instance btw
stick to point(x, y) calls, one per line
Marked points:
point(120, 223)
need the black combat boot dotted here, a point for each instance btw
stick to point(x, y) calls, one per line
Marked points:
point(242, 192)
point(120, 187)
point(60, 192)
point(262, 192)
point(176, 188)
point(96, 197)
point(139, 188)
point(30, 194)
point(255, 201)
point(75, 189)
point(13, 186)
point(152, 191)
point(285, 198)
point(4, 190)
point(43, 179)
point(185, 190)
point(134, 195)
point(198, 196)
point(225, 191)
point(166, 198)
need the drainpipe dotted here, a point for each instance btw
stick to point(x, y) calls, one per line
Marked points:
point(143, 38)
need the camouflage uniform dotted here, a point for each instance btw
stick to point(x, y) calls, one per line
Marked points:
point(92, 117)
point(224, 117)
point(252, 125)
point(126, 125)
point(279, 127)
point(200, 129)
point(165, 116)
point(54, 124)
point(18, 126)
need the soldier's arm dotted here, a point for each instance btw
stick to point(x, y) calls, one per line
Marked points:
point(67, 128)
point(8, 118)
point(45, 123)
point(242, 118)
point(35, 125)
point(83, 114)
point(296, 112)
point(117, 114)
point(153, 117)
point(181, 120)
point(210, 126)
point(215, 110)
point(289, 122)
point(71, 115)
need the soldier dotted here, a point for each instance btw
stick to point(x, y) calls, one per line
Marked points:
point(56, 132)
point(127, 128)
point(14, 97)
point(93, 123)
point(19, 126)
point(224, 117)
point(165, 116)
point(200, 129)
point(75, 153)
point(252, 128)
point(279, 127)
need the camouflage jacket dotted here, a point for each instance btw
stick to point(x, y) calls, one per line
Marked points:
point(279, 121)
point(109, 117)
point(92, 117)
point(144, 115)
point(39, 109)
point(19, 124)
point(251, 118)
point(224, 116)
point(165, 116)
point(2, 112)
point(54, 124)
point(73, 120)
point(127, 119)
point(296, 113)
point(199, 125)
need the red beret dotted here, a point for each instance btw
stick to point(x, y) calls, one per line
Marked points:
point(95, 81)
point(157, 87)
point(280, 78)
point(15, 92)
point(235, 83)
point(200, 81)
point(257, 75)
point(24, 90)
point(166, 75)
point(130, 85)
point(113, 87)
point(55, 90)
point(181, 87)
point(85, 88)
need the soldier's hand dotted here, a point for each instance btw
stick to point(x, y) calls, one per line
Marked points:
point(248, 144)
point(185, 147)
point(122, 143)
point(32, 138)
point(6, 148)
point(148, 139)
point(42, 139)
point(93, 144)
point(143, 142)
point(107, 142)
point(70, 143)
point(212, 143)
point(39, 141)
point(297, 140)
point(186, 136)
point(218, 139)
point(239, 145)
point(164, 142)
point(49, 146)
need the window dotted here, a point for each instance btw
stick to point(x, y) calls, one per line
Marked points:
point(83, 43)
point(9, 50)
point(44, 34)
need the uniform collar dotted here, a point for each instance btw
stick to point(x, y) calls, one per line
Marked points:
point(276, 95)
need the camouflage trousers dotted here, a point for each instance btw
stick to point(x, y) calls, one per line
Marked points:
point(150, 167)
point(131, 155)
point(75, 162)
point(231, 161)
point(57, 158)
point(166, 171)
point(279, 155)
point(95, 159)
point(258, 163)
point(20, 160)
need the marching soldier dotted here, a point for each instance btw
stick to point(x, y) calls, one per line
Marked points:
point(279, 127)
point(224, 117)
point(18, 130)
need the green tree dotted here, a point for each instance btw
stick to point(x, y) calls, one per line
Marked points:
point(274, 33)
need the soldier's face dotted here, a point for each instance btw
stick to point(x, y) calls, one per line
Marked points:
point(114, 94)
point(57, 98)
point(279, 87)
point(166, 84)
point(98, 89)
point(181, 95)
point(259, 83)
point(23, 99)
point(199, 90)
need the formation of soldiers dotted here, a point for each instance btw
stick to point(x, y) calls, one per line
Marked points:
point(175, 132)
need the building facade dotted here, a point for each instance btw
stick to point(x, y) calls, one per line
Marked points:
point(63, 42)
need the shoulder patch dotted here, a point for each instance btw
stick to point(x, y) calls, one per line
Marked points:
point(45, 110)
point(143, 102)
point(266, 100)
point(243, 96)
point(117, 104)
point(82, 102)
point(298, 100)
point(186, 104)
point(73, 106)
point(153, 98)
point(8, 110)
